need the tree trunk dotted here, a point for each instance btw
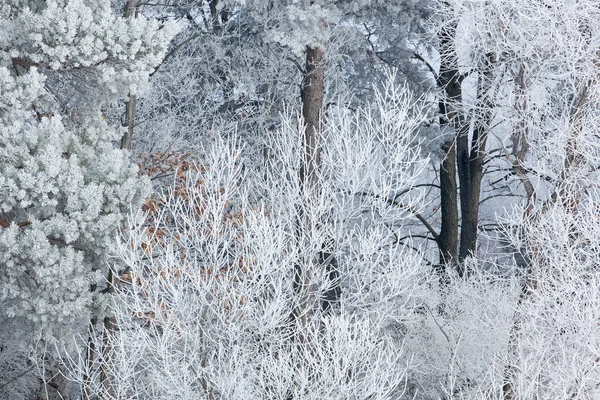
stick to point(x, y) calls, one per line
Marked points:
point(313, 88)
point(469, 158)
point(312, 104)
point(470, 171)
point(214, 15)
point(469, 210)
point(333, 293)
point(448, 238)
point(129, 122)
point(470, 163)
point(450, 82)
point(131, 8)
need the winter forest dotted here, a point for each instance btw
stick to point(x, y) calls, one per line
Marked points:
point(299, 199)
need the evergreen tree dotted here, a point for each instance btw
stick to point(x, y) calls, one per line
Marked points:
point(64, 186)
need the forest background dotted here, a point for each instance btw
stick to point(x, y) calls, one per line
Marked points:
point(293, 199)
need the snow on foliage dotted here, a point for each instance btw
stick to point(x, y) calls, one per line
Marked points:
point(241, 280)
point(206, 305)
point(64, 187)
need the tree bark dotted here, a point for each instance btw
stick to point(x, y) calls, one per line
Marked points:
point(333, 293)
point(131, 9)
point(214, 15)
point(313, 88)
point(129, 122)
point(448, 238)
point(469, 157)
point(450, 82)
point(470, 162)
point(312, 104)
point(470, 172)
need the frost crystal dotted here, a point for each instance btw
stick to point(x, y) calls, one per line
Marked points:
point(64, 187)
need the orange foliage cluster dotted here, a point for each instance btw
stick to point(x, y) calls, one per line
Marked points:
point(171, 170)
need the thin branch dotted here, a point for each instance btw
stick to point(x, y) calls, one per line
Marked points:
point(417, 215)
point(429, 66)
point(174, 50)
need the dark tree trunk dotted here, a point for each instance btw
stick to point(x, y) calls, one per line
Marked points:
point(448, 238)
point(131, 9)
point(313, 88)
point(450, 82)
point(469, 157)
point(214, 15)
point(470, 172)
point(312, 104)
point(332, 295)
point(129, 122)
point(468, 213)
point(470, 163)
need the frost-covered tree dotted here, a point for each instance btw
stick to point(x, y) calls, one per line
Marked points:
point(294, 260)
point(64, 187)
point(207, 306)
point(525, 73)
point(506, 87)
point(234, 64)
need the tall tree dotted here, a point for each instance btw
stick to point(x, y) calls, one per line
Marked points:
point(64, 187)
point(450, 81)
point(535, 82)
point(465, 149)
point(208, 290)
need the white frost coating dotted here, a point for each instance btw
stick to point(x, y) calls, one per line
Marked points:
point(305, 26)
point(81, 34)
point(64, 187)
point(301, 23)
point(204, 309)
